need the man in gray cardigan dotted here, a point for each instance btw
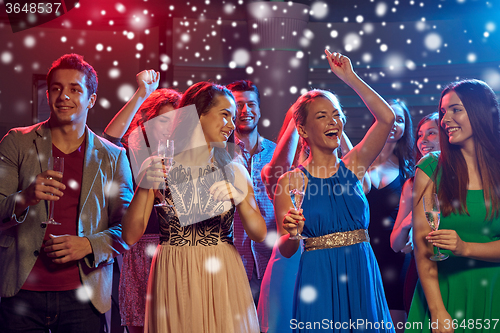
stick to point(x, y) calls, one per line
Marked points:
point(59, 277)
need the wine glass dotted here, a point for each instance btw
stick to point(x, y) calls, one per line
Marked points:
point(296, 182)
point(56, 164)
point(166, 153)
point(432, 214)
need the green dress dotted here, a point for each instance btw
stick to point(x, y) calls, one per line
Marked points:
point(470, 288)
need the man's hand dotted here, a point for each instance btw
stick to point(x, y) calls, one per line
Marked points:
point(41, 189)
point(66, 248)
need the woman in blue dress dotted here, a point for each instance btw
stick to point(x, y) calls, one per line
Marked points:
point(338, 285)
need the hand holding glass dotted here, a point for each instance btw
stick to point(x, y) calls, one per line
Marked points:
point(296, 182)
point(433, 215)
point(56, 164)
point(166, 153)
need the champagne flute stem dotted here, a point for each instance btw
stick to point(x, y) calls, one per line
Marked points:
point(51, 217)
point(164, 190)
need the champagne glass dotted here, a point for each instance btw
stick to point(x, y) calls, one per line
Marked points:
point(166, 153)
point(56, 164)
point(296, 182)
point(433, 214)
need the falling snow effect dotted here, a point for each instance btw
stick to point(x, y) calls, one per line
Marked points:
point(308, 294)
point(368, 28)
point(112, 189)
point(271, 238)
point(471, 57)
point(492, 77)
point(73, 184)
point(125, 92)
point(381, 9)
point(433, 41)
point(229, 8)
point(120, 8)
point(387, 222)
point(395, 63)
point(319, 10)
point(29, 41)
point(114, 73)
point(294, 62)
point(459, 314)
point(260, 11)
point(352, 42)
point(241, 57)
point(21, 308)
point(384, 50)
point(84, 293)
point(104, 103)
point(150, 250)
point(6, 57)
point(213, 265)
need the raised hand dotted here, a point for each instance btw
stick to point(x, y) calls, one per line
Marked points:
point(340, 65)
point(148, 81)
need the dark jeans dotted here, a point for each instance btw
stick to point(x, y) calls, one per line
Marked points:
point(39, 311)
point(255, 284)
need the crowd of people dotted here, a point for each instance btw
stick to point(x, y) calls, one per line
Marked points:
point(221, 253)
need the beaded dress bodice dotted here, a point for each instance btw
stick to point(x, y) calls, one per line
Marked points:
point(195, 219)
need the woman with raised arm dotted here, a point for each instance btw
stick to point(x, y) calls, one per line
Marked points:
point(338, 282)
point(140, 120)
point(459, 294)
point(427, 135)
point(275, 307)
point(197, 281)
point(392, 167)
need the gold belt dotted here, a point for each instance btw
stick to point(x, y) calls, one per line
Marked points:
point(337, 239)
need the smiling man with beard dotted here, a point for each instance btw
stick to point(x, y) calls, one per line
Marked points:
point(256, 152)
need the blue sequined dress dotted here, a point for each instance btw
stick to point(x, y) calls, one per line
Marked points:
point(342, 286)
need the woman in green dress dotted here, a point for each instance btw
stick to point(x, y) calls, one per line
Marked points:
point(460, 294)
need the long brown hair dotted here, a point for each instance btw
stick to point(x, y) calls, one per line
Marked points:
point(404, 147)
point(149, 110)
point(203, 96)
point(482, 109)
point(301, 149)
